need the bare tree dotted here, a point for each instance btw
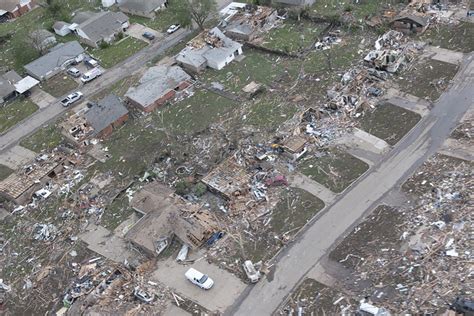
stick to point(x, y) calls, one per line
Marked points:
point(189, 11)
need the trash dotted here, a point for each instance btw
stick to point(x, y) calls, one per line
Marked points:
point(73, 253)
point(452, 253)
point(143, 296)
point(44, 232)
point(373, 310)
point(215, 237)
point(183, 253)
point(28, 284)
point(252, 274)
point(161, 244)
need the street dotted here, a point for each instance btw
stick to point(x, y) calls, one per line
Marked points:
point(292, 264)
point(112, 75)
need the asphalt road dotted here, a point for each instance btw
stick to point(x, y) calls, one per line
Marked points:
point(112, 75)
point(424, 140)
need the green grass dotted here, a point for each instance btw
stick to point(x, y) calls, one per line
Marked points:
point(196, 113)
point(5, 172)
point(358, 11)
point(15, 112)
point(336, 169)
point(46, 138)
point(454, 37)
point(116, 212)
point(118, 51)
point(401, 122)
point(427, 79)
point(13, 54)
point(163, 20)
point(269, 112)
point(256, 66)
point(295, 208)
point(119, 88)
point(59, 85)
point(292, 36)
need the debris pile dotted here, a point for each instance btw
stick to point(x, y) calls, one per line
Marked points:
point(430, 267)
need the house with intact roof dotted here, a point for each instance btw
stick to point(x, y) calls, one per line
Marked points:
point(94, 28)
point(209, 49)
point(146, 9)
point(58, 58)
point(157, 86)
point(12, 85)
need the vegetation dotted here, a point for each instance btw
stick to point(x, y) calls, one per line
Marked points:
point(46, 138)
point(59, 85)
point(5, 172)
point(197, 11)
point(118, 52)
point(15, 112)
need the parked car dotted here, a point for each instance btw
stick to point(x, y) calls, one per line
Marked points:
point(173, 28)
point(148, 36)
point(70, 99)
point(198, 278)
point(91, 62)
point(74, 72)
point(91, 75)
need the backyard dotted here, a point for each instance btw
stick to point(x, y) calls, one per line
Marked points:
point(59, 85)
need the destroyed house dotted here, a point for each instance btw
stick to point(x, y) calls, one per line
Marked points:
point(409, 24)
point(249, 22)
point(96, 120)
point(158, 85)
point(209, 49)
point(166, 215)
point(228, 179)
point(20, 185)
point(105, 116)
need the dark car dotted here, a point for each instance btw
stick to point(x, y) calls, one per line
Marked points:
point(148, 36)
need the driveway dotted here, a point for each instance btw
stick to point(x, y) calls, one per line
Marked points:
point(136, 30)
point(41, 98)
point(321, 234)
point(225, 291)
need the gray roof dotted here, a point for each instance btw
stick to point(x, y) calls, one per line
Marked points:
point(142, 6)
point(57, 56)
point(81, 17)
point(155, 83)
point(105, 112)
point(417, 19)
point(9, 5)
point(58, 25)
point(103, 25)
point(7, 83)
point(198, 56)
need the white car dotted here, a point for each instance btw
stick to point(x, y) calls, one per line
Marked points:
point(173, 28)
point(74, 72)
point(198, 278)
point(70, 99)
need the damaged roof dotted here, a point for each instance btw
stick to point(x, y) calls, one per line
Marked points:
point(105, 112)
point(228, 178)
point(420, 21)
point(156, 83)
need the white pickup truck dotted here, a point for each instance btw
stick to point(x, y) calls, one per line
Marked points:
point(70, 99)
point(91, 75)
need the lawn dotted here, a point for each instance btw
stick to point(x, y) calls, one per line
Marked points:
point(119, 88)
point(5, 172)
point(256, 66)
point(295, 208)
point(13, 54)
point(59, 85)
point(163, 20)
point(196, 113)
point(293, 37)
point(359, 10)
point(15, 112)
point(118, 51)
point(334, 168)
point(427, 79)
point(44, 139)
point(269, 112)
point(401, 121)
point(454, 37)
